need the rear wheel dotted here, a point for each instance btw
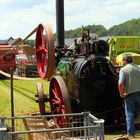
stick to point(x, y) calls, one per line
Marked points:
point(59, 100)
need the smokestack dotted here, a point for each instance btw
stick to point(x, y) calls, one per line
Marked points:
point(59, 23)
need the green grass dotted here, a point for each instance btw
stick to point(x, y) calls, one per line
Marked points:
point(24, 96)
point(24, 100)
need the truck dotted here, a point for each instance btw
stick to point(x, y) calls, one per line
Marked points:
point(118, 45)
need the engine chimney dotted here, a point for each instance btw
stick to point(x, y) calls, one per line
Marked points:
point(59, 23)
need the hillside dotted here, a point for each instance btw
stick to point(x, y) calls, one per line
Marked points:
point(99, 29)
point(131, 27)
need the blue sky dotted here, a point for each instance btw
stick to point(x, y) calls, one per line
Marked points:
point(19, 17)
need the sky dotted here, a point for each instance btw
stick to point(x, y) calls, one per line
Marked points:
point(19, 17)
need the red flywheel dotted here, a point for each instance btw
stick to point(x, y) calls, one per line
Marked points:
point(45, 51)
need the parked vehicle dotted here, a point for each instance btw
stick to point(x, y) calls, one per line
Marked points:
point(122, 44)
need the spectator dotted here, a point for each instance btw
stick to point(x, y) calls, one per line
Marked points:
point(129, 88)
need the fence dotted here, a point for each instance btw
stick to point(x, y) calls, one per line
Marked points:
point(74, 126)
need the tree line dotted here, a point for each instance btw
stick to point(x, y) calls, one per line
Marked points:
point(130, 27)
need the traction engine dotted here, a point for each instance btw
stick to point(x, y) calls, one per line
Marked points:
point(81, 78)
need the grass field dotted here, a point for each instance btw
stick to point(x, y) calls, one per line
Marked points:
point(24, 100)
point(24, 96)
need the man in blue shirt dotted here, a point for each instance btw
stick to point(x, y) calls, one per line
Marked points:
point(129, 88)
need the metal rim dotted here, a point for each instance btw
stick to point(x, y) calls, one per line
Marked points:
point(45, 52)
point(40, 94)
point(59, 99)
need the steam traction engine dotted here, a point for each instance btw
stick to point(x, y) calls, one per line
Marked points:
point(81, 79)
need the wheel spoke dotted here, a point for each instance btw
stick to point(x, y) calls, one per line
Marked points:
point(58, 91)
point(42, 68)
point(39, 49)
point(55, 93)
point(62, 106)
point(43, 59)
point(43, 41)
point(57, 101)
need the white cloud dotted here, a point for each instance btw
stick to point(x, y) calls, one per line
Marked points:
point(20, 22)
point(107, 13)
point(19, 18)
point(5, 2)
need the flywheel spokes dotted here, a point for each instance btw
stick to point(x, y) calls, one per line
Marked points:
point(45, 51)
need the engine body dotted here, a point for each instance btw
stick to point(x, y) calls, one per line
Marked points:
point(92, 83)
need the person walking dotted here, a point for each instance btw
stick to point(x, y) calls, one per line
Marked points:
point(129, 88)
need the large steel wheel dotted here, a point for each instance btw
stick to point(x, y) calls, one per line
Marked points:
point(45, 52)
point(41, 101)
point(59, 100)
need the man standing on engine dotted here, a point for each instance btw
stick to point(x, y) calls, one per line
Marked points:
point(129, 88)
